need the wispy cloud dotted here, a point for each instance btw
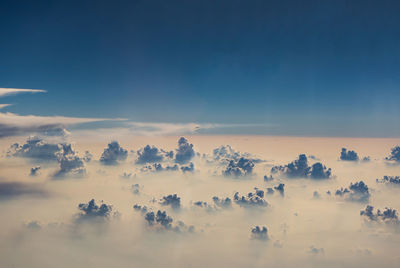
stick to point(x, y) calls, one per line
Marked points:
point(13, 91)
point(4, 105)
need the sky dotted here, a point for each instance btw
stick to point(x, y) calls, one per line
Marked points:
point(294, 68)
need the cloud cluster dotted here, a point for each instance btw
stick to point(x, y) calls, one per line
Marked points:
point(70, 163)
point(348, 155)
point(157, 167)
point(185, 151)
point(389, 216)
point(389, 180)
point(91, 211)
point(357, 192)
point(227, 153)
point(113, 154)
point(253, 199)
point(394, 154)
point(161, 221)
point(238, 168)
point(259, 233)
point(222, 202)
point(151, 154)
point(299, 168)
point(36, 148)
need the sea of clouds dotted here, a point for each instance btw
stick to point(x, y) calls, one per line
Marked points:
point(195, 201)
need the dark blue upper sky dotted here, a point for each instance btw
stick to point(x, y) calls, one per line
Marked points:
point(304, 67)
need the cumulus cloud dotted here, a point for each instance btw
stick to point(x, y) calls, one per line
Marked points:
point(299, 168)
point(253, 199)
point(113, 154)
point(70, 163)
point(280, 188)
point(227, 153)
point(185, 151)
point(136, 189)
point(188, 168)
point(157, 167)
point(357, 192)
point(172, 200)
point(260, 233)
point(151, 154)
point(34, 171)
point(348, 155)
point(92, 211)
point(10, 190)
point(161, 221)
point(315, 250)
point(240, 167)
point(388, 216)
point(36, 148)
point(394, 154)
point(391, 180)
point(222, 202)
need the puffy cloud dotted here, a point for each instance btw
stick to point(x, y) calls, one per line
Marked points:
point(151, 154)
point(188, 168)
point(390, 180)
point(113, 154)
point(141, 209)
point(70, 163)
point(255, 199)
point(268, 178)
point(348, 155)
point(34, 171)
point(394, 154)
point(36, 148)
point(87, 157)
point(240, 167)
point(280, 188)
point(185, 151)
point(136, 189)
point(222, 202)
point(388, 216)
point(319, 171)
point(162, 221)
point(316, 195)
point(171, 200)
point(10, 190)
point(260, 233)
point(314, 250)
point(91, 211)
point(299, 168)
point(357, 192)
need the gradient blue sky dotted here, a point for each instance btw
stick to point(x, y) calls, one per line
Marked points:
point(323, 68)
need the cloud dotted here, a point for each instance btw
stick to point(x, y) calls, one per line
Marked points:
point(113, 154)
point(348, 155)
point(13, 91)
point(393, 180)
point(222, 202)
point(280, 188)
point(92, 211)
point(389, 216)
point(151, 154)
point(4, 105)
point(255, 199)
point(70, 163)
point(185, 151)
point(315, 250)
point(299, 168)
point(259, 233)
point(164, 222)
point(241, 167)
point(157, 167)
point(10, 190)
point(357, 192)
point(34, 171)
point(227, 153)
point(36, 148)
point(171, 200)
point(394, 154)
point(188, 168)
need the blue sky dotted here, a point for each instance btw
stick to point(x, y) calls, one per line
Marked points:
point(319, 68)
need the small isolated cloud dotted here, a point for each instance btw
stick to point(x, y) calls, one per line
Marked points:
point(239, 168)
point(253, 199)
point(299, 168)
point(394, 154)
point(185, 151)
point(188, 168)
point(348, 155)
point(259, 233)
point(92, 211)
point(388, 216)
point(113, 154)
point(389, 180)
point(357, 192)
point(227, 153)
point(316, 251)
point(34, 171)
point(172, 200)
point(9, 190)
point(222, 202)
point(280, 188)
point(136, 188)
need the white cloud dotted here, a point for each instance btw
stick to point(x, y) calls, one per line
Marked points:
point(13, 91)
point(4, 105)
